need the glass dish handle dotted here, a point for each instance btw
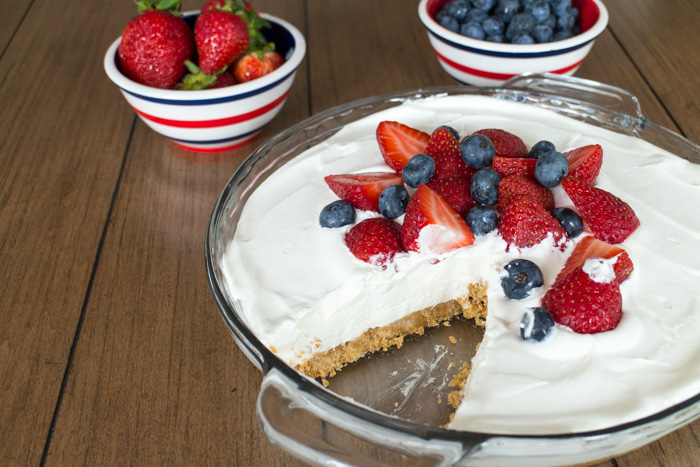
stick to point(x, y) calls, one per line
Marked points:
point(592, 92)
point(323, 434)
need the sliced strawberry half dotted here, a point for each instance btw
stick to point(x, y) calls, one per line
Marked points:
point(362, 190)
point(515, 185)
point(506, 166)
point(591, 247)
point(448, 230)
point(525, 223)
point(608, 217)
point(455, 189)
point(584, 305)
point(585, 162)
point(443, 147)
point(507, 144)
point(375, 240)
point(398, 143)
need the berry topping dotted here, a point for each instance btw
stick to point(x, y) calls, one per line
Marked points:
point(443, 147)
point(398, 143)
point(540, 148)
point(522, 275)
point(514, 165)
point(570, 220)
point(484, 186)
point(515, 185)
point(608, 217)
point(477, 151)
point(450, 129)
point(536, 325)
point(551, 168)
point(506, 144)
point(591, 247)
point(418, 170)
point(455, 189)
point(431, 225)
point(585, 162)
point(482, 219)
point(393, 201)
point(337, 214)
point(584, 305)
point(362, 190)
point(375, 240)
point(524, 223)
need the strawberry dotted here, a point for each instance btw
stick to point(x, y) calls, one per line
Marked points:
point(222, 36)
point(524, 223)
point(443, 147)
point(506, 166)
point(155, 45)
point(584, 305)
point(196, 79)
point(398, 143)
point(507, 144)
point(448, 230)
point(585, 162)
point(608, 217)
point(591, 247)
point(362, 190)
point(515, 185)
point(455, 189)
point(223, 80)
point(253, 65)
point(213, 4)
point(375, 240)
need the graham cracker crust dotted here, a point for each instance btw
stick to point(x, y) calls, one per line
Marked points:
point(473, 305)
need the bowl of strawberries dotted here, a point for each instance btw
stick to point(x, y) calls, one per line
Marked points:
point(208, 80)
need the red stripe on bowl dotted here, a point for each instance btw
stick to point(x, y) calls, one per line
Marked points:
point(218, 149)
point(217, 122)
point(499, 76)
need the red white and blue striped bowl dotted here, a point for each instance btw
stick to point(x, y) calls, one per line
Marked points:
point(215, 120)
point(483, 63)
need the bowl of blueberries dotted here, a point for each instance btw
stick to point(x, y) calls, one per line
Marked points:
point(487, 42)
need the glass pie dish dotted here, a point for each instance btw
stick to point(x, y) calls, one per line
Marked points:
point(374, 421)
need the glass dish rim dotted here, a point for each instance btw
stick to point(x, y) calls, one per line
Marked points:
point(266, 360)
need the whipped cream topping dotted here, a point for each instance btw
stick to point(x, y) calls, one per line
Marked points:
point(300, 290)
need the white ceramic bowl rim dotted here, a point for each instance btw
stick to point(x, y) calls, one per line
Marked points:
point(513, 50)
point(211, 96)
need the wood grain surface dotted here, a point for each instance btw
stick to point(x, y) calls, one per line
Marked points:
point(112, 351)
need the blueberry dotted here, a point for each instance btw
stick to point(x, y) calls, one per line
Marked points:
point(559, 7)
point(506, 9)
point(523, 39)
point(569, 220)
point(484, 186)
point(473, 30)
point(536, 325)
point(550, 168)
point(561, 35)
point(485, 5)
point(540, 148)
point(418, 170)
point(522, 276)
point(337, 214)
point(542, 33)
point(550, 21)
point(450, 129)
point(496, 38)
point(540, 9)
point(566, 22)
point(476, 15)
point(393, 201)
point(492, 26)
point(481, 219)
point(522, 23)
point(457, 9)
point(448, 22)
point(477, 151)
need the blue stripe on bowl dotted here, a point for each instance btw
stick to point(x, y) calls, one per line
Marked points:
point(217, 141)
point(285, 45)
point(492, 53)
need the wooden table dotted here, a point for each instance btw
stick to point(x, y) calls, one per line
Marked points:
point(111, 348)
